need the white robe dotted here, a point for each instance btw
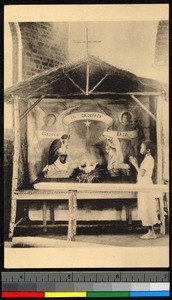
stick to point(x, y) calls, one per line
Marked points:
point(57, 170)
point(146, 200)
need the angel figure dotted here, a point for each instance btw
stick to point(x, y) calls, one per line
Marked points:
point(133, 134)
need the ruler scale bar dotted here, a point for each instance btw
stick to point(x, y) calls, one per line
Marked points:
point(122, 276)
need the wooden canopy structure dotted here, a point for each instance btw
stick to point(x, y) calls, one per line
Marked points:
point(90, 78)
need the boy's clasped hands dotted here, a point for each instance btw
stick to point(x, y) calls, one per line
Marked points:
point(133, 161)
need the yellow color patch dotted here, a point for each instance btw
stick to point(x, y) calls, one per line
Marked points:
point(65, 294)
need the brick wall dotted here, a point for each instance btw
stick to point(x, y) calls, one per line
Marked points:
point(8, 147)
point(44, 45)
point(161, 51)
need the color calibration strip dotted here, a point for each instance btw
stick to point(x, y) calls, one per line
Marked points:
point(95, 294)
point(123, 284)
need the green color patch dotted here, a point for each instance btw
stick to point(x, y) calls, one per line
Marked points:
point(108, 294)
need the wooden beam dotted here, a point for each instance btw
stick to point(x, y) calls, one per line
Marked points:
point(57, 96)
point(87, 78)
point(159, 140)
point(73, 68)
point(160, 160)
point(16, 155)
point(74, 83)
point(48, 187)
point(143, 107)
point(16, 142)
point(31, 107)
point(128, 93)
point(98, 84)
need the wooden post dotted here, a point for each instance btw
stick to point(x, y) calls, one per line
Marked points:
point(72, 215)
point(52, 213)
point(127, 213)
point(130, 214)
point(75, 214)
point(44, 215)
point(16, 155)
point(159, 159)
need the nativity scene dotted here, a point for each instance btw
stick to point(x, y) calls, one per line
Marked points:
point(78, 132)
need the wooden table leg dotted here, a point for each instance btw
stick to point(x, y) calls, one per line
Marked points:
point(75, 214)
point(162, 215)
point(130, 215)
point(72, 216)
point(13, 217)
point(127, 213)
point(44, 214)
point(52, 213)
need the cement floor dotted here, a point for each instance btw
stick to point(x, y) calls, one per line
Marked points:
point(124, 240)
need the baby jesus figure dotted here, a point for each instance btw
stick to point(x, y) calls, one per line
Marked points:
point(115, 156)
point(88, 173)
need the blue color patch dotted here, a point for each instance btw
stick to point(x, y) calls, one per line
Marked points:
point(150, 294)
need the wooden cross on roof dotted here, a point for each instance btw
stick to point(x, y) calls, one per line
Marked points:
point(87, 42)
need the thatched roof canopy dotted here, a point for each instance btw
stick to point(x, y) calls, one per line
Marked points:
point(87, 77)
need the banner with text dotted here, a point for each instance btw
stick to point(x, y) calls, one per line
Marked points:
point(94, 116)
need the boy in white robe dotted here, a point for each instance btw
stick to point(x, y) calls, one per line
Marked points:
point(146, 200)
